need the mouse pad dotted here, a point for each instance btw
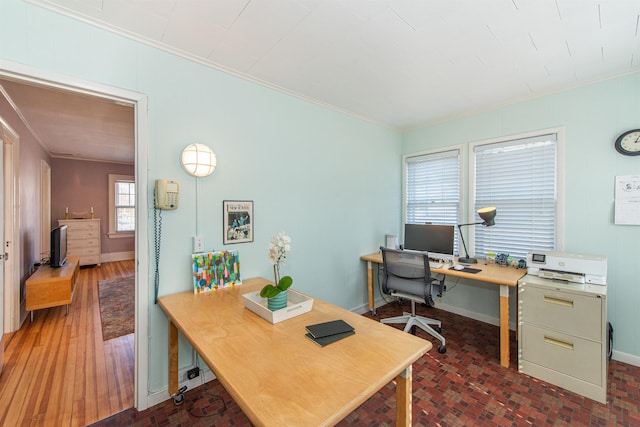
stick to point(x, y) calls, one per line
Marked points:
point(471, 270)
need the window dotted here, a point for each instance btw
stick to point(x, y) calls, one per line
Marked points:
point(122, 205)
point(519, 177)
point(432, 188)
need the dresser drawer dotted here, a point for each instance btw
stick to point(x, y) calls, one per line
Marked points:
point(574, 314)
point(82, 244)
point(74, 234)
point(82, 225)
point(566, 354)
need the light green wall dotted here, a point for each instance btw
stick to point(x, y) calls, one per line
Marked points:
point(323, 177)
point(592, 117)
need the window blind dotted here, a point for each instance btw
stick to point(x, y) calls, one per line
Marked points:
point(432, 188)
point(519, 178)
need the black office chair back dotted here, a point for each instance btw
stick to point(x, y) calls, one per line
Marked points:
point(407, 272)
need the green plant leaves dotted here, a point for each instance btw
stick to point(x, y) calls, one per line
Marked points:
point(284, 283)
point(269, 291)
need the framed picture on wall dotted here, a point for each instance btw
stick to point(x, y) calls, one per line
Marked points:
point(237, 221)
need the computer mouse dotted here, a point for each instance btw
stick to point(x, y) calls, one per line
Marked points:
point(458, 267)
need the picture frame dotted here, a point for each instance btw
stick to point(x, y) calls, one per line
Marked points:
point(238, 221)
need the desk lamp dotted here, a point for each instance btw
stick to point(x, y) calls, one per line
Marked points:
point(487, 215)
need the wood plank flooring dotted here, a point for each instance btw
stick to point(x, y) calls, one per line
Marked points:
point(58, 371)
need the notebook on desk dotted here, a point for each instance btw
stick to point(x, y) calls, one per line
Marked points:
point(325, 329)
point(322, 341)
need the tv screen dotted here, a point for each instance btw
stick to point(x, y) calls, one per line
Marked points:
point(432, 238)
point(58, 247)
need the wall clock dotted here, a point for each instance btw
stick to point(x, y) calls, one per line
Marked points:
point(628, 143)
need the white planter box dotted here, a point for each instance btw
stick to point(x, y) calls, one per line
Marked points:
point(297, 304)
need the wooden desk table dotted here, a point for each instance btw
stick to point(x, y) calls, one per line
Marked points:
point(490, 273)
point(277, 375)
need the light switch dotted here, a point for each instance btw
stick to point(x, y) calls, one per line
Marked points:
point(198, 244)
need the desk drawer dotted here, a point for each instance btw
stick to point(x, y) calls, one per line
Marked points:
point(572, 313)
point(563, 353)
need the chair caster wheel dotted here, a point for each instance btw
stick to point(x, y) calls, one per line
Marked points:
point(442, 349)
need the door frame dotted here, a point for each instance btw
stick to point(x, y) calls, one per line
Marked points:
point(11, 209)
point(27, 74)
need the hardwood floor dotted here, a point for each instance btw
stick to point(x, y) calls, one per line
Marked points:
point(58, 371)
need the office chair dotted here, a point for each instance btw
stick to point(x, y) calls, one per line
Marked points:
point(407, 275)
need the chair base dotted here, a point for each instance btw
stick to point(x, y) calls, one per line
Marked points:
point(423, 323)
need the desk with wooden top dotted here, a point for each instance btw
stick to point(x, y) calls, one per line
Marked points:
point(490, 273)
point(279, 377)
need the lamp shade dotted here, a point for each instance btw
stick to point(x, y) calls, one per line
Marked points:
point(487, 215)
point(198, 160)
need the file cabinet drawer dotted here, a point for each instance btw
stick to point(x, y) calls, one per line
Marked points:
point(572, 313)
point(577, 357)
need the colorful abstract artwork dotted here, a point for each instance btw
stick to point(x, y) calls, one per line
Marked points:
point(214, 270)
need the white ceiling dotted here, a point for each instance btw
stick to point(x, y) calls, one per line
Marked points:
point(402, 63)
point(74, 125)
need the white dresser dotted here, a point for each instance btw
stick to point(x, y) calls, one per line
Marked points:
point(562, 331)
point(83, 239)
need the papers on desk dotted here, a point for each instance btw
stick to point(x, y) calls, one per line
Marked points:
point(328, 332)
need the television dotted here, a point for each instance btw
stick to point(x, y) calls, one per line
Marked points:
point(58, 254)
point(437, 240)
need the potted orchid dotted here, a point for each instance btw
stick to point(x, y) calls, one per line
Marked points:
point(277, 294)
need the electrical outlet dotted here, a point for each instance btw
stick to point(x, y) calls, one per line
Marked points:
point(193, 373)
point(198, 244)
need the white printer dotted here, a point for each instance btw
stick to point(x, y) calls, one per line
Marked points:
point(567, 266)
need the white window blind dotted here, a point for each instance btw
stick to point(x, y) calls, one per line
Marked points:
point(432, 188)
point(519, 178)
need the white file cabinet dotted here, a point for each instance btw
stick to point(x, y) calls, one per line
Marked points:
point(83, 239)
point(563, 334)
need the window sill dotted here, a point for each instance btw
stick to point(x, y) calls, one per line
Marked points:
point(121, 235)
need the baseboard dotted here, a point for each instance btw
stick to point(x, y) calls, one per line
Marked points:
point(156, 397)
point(117, 256)
point(625, 358)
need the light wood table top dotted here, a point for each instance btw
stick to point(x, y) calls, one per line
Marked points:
point(277, 375)
point(490, 273)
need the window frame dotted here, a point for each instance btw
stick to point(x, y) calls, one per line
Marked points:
point(113, 178)
point(461, 179)
point(472, 217)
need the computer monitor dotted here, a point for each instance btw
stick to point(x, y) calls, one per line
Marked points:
point(437, 240)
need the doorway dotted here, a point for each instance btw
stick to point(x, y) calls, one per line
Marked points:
point(28, 75)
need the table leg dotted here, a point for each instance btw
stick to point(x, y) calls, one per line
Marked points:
point(504, 325)
point(173, 358)
point(372, 307)
point(404, 398)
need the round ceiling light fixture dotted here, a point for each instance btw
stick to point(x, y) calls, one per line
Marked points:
point(198, 160)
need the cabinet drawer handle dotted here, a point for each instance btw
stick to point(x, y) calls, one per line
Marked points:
point(558, 301)
point(559, 343)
